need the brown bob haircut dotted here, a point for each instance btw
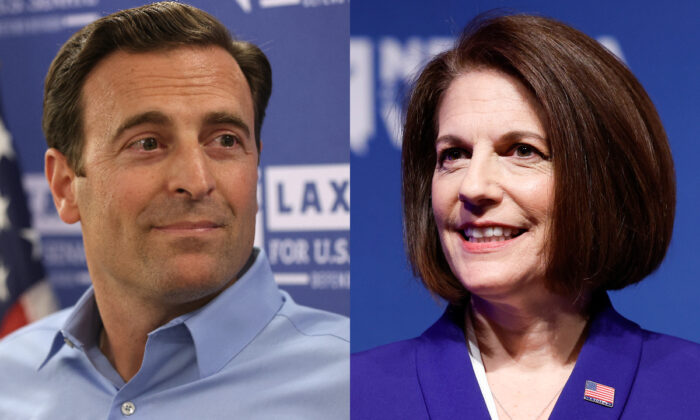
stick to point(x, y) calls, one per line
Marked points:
point(154, 27)
point(614, 180)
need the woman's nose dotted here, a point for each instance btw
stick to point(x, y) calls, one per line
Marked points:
point(480, 187)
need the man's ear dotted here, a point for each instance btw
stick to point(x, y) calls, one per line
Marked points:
point(62, 184)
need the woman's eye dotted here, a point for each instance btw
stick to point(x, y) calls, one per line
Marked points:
point(523, 150)
point(148, 144)
point(453, 154)
point(527, 151)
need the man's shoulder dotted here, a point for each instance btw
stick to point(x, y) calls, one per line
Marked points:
point(37, 334)
point(311, 322)
point(21, 355)
point(301, 336)
point(302, 354)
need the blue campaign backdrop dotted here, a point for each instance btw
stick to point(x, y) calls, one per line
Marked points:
point(304, 187)
point(391, 39)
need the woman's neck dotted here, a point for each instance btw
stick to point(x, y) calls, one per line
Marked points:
point(529, 347)
point(529, 332)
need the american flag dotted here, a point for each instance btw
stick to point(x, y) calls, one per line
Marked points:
point(599, 394)
point(25, 295)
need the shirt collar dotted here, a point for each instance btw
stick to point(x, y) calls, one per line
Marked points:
point(80, 329)
point(222, 328)
point(219, 330)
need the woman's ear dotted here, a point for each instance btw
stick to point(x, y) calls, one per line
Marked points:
point(61, 178)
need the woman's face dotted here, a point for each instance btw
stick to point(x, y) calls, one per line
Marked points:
point(492, 190)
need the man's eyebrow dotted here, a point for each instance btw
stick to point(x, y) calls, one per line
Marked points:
point(149, 117)
point(159, 118)
point(215, 118)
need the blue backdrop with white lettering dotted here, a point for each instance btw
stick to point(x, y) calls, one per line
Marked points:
point(391, 40)
point(304, 187)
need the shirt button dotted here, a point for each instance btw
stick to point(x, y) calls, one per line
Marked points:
point(128, 408)
point(67, 341)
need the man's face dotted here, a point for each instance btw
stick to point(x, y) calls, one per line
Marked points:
point(168, 200)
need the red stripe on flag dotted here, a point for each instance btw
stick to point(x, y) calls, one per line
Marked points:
point(15, 318)
point(601, 394)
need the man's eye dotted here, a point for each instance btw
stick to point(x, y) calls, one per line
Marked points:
point(227, 140)
point(147, 144)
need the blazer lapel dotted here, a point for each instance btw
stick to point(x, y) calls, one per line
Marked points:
point(610, 356)
point(445, 373)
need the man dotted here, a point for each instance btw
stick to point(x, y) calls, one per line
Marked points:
point(153, 117)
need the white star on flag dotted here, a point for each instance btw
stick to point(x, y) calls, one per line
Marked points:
point(4, 293)
point(25, 294)
point(5, 143)
point(245, 5)
point(4, 219)
point(32, 236)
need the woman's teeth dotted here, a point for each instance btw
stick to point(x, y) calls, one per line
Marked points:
point(490, 234)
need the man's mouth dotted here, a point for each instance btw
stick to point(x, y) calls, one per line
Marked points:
point(490, 233)
point(201, 225)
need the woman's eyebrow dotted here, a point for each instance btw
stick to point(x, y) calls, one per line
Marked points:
point(522, 134)
point(449, 139)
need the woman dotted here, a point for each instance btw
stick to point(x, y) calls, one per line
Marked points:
point(536, 176)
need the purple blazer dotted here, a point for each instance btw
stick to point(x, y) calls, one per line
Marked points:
point(655, 376)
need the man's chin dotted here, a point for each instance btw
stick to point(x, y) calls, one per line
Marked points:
point(197, 276)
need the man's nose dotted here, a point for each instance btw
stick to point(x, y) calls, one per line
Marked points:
point(191, 172)
point(480, 187)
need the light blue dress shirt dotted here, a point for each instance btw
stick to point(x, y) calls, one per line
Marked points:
point(251, 353)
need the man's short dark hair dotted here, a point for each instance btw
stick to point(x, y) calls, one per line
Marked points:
point(154, 27)
point(614, 197)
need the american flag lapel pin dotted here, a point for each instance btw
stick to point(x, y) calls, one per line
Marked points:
point(599, 393)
